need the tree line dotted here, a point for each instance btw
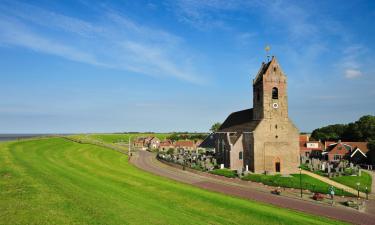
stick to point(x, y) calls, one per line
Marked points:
point(361, 130)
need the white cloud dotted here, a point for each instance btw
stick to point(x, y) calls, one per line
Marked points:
point(111, 41)
point(352, 73)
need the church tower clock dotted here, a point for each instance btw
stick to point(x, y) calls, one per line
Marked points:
point(270, 100)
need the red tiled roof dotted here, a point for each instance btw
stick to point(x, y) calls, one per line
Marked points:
point(303, 138)
point(185, 143)
point(166, 143)
point(354, 145)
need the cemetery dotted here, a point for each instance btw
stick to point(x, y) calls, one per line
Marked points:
point(342, 172)
point(202, 160)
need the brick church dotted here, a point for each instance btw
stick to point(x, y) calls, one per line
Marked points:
point(262, 139)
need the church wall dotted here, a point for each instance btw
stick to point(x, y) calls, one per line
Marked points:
point(269, 149)
point(235, 162)
point(248, 146)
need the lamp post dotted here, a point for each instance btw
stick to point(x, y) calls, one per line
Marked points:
point(300, 180)
point(358, 189)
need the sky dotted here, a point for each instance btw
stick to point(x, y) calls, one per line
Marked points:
point(179, 65)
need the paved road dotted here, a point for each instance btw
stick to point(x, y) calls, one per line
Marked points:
point(146, 161)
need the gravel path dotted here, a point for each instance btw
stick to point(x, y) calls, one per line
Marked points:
point(146, 161)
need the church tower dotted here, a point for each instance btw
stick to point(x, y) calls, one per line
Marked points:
point(270, 99)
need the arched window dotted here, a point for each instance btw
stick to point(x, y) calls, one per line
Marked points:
point(275, 93)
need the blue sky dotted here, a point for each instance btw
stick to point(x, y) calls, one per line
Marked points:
point(179, 65)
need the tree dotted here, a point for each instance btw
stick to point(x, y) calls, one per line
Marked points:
point(215, 127)
point(366, 125)
point(371, 152)
point(360, 130)
point(330, 132)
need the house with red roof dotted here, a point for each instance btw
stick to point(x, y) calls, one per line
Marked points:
point(355, 152)
point(165, 145)
point(185, 145)
point(310, 149)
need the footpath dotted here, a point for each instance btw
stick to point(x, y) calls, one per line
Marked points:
point(335, 184)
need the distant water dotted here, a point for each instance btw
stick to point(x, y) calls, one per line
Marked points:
point(10, 137)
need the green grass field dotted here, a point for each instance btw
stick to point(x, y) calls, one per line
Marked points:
point(293, 181)
point(56, 181)
point(365, 180)
point(115, 138)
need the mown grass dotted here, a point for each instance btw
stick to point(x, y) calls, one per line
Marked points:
point(293, 181)
point(124, 138)
point(56, 181)
point(365, 180)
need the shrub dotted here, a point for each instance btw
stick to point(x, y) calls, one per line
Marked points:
point(225, 173)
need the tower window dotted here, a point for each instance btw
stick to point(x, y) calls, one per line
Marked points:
point(275, 93)
point(240, 156)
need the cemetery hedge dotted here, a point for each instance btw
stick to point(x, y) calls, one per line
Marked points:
point(57, 181)
point(225, 173)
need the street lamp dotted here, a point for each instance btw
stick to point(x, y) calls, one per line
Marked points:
point(358, 189)
point(300, 180)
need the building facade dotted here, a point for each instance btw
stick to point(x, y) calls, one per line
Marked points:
point(262, 139)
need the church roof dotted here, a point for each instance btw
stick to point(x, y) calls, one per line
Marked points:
point(263, 69)
point(209, 142)
point(241, 121)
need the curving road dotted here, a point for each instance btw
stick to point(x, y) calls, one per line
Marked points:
point(235, 187)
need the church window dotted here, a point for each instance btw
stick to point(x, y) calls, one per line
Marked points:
point(240, 156)
point(275, 93)
point(276, 136)
point(275, 126)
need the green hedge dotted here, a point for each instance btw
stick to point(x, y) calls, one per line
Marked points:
point(225, 173)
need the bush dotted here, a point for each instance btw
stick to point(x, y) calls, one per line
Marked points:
point(304, 166)
point(225, 173)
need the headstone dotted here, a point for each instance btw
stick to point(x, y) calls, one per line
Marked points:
point(329, 168)
point(222, 166)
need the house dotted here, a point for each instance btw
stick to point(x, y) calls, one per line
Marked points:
point(165, 145)
point(154, 143)
point(355, 152)
point(262, 139)
point(185, 145)
point(146, 142)
point(139, 142)
point(309, 149)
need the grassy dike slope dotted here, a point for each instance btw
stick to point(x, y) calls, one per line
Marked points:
point(55, 181)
